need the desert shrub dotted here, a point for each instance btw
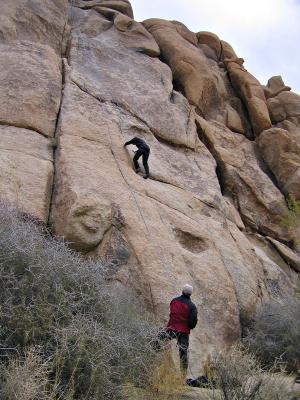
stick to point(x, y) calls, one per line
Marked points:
point(94, 335)
point(291, 219)
point(166, 382)
point(274, 335)
point(25, 377)
point(236, 375)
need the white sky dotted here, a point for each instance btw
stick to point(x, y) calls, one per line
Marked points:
point(266, 33)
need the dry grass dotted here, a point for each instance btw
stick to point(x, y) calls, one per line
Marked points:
point(165, 382)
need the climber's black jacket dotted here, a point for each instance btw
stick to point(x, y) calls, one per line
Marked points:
point(139, 143)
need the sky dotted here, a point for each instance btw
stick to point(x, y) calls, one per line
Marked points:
point(266, 33)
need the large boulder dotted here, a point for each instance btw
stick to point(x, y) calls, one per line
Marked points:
point(193, 61)
point(250, 90)
point(275, 86)
point(282, 153)
point(259, 202)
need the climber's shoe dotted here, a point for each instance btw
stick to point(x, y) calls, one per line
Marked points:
point(137, 170)
point(146, 176)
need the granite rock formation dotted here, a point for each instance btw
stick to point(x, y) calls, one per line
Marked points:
point(79, 78)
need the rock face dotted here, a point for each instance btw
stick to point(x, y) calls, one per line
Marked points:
point(280, 146)
point(77, 86)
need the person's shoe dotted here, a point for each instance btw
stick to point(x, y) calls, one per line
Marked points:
point(146, 176)
point(137, 170)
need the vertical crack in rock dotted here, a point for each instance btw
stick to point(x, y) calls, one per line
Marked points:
point(210, 148)
point(55, 139)
point(63, 51)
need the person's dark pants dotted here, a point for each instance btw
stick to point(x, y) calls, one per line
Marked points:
point(145, 153)
point(183, 344)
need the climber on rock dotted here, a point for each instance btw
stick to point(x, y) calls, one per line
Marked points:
point(143, 150)
point(183, 318)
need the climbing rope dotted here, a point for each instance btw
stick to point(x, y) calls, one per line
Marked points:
point(149, 234)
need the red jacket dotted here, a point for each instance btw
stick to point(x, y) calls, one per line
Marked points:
point(183, 315)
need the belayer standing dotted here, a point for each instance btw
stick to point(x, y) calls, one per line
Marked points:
point(143, 150)
point(183, 318)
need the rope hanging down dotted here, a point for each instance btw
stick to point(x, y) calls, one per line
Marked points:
point(149, 234)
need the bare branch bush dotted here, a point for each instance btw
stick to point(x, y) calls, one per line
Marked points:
point(94, 336)
point(274, 335)
point(25, 377)
point(237, 375)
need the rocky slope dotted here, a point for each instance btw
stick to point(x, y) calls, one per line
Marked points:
point(77, 79)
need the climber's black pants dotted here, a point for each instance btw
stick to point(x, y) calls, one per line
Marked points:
point(183, 344)
point(145, 153)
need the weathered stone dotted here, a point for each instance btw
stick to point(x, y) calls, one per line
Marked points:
point(87, 221)
point(287, 254)
point(156, 104)
point(26, 170)
point(227, 51)
point(277, 281)
point(30, 83)
point(275, 86)
point(250, 90)
point(259, 202)
point(107, 6)
point(184, 223)
point(233, 120)
point(172, 229)
point(42, 23)
point(282, 154)
point(284, 105)
point(212, 41)
point(201, 80)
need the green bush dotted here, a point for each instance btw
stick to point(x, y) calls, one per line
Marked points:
point(94, 336)
point(291, 220)
point(274, 335)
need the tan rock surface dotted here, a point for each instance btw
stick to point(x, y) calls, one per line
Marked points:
point(250, 90)
point(192, 59)
point(26, 170)
point(287, 254)
point(282, 154)
point(210, 40)
point(32, 39)
point(30, 83)
point(259, 202)
point(280, 146)
point(190, 221)
point(284, 106)
point(42, 23)
point(106, 6)
point(275, 86)
point(161, 232)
